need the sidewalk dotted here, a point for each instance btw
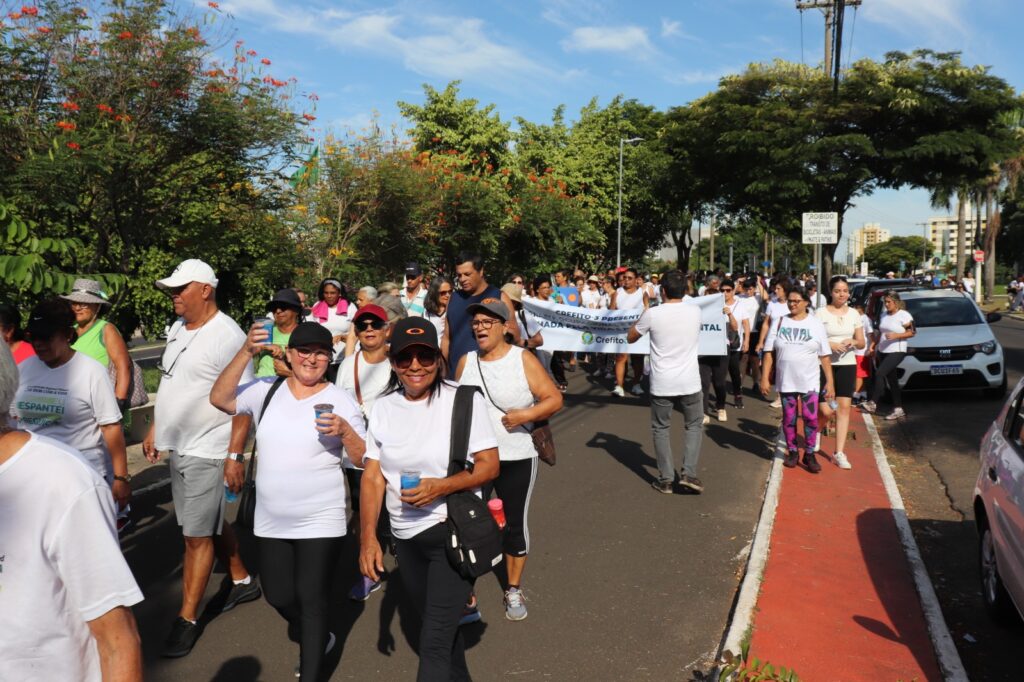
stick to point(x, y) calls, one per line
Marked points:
point(838, 599)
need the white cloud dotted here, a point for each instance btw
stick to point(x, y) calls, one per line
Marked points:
point(699, 76)
point(670, 28)
point(926, 19)
point(608, 39)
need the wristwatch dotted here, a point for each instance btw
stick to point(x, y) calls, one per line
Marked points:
point(237, 456)
point(127, 478)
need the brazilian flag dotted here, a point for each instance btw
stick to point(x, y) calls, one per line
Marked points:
point(309, 173)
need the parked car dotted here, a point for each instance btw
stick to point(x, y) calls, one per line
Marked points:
point(954, 347)
point(862, 292)
point(999, 512)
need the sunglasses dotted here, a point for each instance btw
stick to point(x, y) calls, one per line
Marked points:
point(445, 292)
point(365, 325)
point(726, 289)
point(279, 308)
point(427, 357)
point(517, 281)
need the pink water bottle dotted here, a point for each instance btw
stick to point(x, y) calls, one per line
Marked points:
point(497, 509)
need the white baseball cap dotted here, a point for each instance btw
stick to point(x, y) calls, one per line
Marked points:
point(191, 270)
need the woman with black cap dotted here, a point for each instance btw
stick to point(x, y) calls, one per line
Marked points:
point(301, 498)
point(99, 339)
point(287, 311)
point(409, 434)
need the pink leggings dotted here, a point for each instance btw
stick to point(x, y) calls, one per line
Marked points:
point(789, 417)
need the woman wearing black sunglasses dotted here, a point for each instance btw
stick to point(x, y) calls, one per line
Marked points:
point(408, 437)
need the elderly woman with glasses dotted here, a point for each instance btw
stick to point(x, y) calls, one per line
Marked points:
point(407, 457)
point(305, 427)
point(99, 339)
point(798, 347)
point(67, 396)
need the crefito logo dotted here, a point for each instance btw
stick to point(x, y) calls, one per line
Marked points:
point(588, 338)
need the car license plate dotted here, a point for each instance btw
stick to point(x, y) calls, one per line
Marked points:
point(946, 370)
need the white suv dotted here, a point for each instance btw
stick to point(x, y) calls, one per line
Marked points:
point(999, 512)
point(954, 347)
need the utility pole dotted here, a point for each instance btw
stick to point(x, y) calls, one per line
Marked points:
point(925, 259)
point(711, 255)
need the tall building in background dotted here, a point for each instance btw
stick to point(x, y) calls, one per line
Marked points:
point(942, 231)
point(869, 235)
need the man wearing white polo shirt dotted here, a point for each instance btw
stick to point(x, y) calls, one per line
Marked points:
point(196, 437)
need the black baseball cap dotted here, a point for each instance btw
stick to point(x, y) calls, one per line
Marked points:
point(49, 317)
point(413, 270)
point(286, 297)
point(311, 334)
point(491, 306)
point(413, 331)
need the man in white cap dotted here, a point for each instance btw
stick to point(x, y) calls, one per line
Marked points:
point(198, 438)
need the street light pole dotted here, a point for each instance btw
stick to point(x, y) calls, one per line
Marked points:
point(618, 249)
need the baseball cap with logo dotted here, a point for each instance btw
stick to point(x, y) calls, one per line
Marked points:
point(412, 331)
point(191, 270)
point(491, 306)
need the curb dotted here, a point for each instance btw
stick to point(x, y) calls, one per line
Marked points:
point(945, 650)
point(746, 601)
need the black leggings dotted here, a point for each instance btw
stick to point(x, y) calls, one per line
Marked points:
point(558, 366)
point(734, 371)
point(712, 372)
point(514, 485)
point(439, 594)
point(296, 577)
point(885, 373)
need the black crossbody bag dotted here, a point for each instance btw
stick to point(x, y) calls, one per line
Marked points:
point(474, 545)
point(247, 499)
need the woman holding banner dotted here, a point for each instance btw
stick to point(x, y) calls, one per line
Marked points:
point(629, 297)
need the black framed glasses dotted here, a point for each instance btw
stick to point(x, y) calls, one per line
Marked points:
point(486, 323)
point(366, 325)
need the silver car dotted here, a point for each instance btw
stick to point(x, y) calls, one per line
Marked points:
point(999, 511)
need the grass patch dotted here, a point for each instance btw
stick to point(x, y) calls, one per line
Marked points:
point(151, 379)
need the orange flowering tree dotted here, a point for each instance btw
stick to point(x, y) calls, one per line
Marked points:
point(124, 131)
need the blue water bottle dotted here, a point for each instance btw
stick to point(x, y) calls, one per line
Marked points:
point(229, 495)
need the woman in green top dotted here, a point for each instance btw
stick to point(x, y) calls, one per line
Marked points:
point(99, 339)
point(287, 310)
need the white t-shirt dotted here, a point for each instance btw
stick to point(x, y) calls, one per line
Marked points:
point(300, 485)
point(60, 563)
point(629, 301)
point(969, 284)
point(869, 329)
point(185, 420)
point(416, 435)
point(69, 404)
point(674, 330)
point(893, 323)
point(776, 310)
point(840, 328)
point(741, 311)
point(595, 300)
point(439, 321)
point(337, 325)
point(798, 346)
point(373, 379)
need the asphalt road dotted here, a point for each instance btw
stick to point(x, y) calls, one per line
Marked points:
point(148, 355)
point(622, 582)
point(935, 459)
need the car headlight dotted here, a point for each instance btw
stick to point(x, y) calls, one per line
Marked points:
point(988, 348)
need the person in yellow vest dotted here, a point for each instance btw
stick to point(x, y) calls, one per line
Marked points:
point(98, 338)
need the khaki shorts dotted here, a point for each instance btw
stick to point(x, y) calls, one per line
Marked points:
point(197, 489)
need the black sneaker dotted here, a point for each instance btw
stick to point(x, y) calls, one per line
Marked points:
point(791, 460)
point(239, 594)
point(738, 402)
point(691, 483)
point(662, 486)
point(183, 637)
point(811, 462)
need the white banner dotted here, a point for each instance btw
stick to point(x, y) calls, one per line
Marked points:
point(585, 330)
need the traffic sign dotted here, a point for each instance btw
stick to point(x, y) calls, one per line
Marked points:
point(766, 263)
point(820, 228)
point(979, 256)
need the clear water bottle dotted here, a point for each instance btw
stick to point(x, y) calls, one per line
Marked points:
point(229, 495)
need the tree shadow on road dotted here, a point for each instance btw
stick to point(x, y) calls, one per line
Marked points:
point(628, 453)
point(239, 669)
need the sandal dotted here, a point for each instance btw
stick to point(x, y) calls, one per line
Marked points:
point(563, 387)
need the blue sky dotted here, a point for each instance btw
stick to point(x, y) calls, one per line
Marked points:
point(527, 56)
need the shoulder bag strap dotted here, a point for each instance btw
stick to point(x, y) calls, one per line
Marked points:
point(266, 401)
point(355, 371)
point(462, 418)
point(487, 394)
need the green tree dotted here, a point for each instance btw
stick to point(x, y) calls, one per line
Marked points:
point(888, 256)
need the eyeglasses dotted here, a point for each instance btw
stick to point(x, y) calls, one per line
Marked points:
point(427, 357)
point(366, 325)
point(484, 324)
point(445, 292)
point(317, 353)
point(795, 301)
point(81, 304)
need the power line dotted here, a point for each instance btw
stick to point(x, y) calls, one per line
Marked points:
point(853, 28)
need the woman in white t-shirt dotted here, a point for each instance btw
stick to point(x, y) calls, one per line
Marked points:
point(408, 442)
point(435, 306)
point(845, 336)
point(863, 356)
point(797, 346)
point(302, 504)
point(335, 312)
point(890, 345)
point(67, 396)
point(519, 394)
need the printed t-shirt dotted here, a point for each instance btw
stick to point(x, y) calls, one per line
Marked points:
point(674, 330)
point(839, 328)
point(893, 323)
point(60, 563)
point(798, 346)
point(265, 364)
point(416, 435)
point(185, 420)
point(300, 485)
point(460, 337)
point(69, 404)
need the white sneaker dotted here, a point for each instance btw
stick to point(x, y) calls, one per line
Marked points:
point(777, 403)
point(637, 389)
point(707, 420)
point(619, 392)
point(722, 416)
point(841, 461)
point(897, 413)
point(817, 441)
